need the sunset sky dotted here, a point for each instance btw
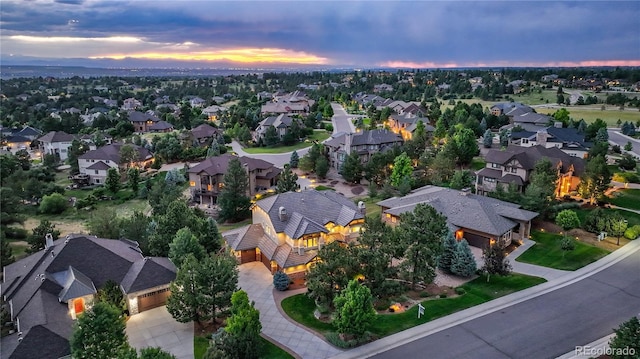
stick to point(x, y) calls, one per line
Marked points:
point(332, 33)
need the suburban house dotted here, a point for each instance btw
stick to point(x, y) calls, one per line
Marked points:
point(521, 115)
point(197, 102)
point(282, 124)
point(365, 143)
point(142, 121)
point(515, 164)
point(479, 219)
point(47, 290)
point(203, 135)
point(14, 140)
point(95, 164)
point(212, 112)
point(289, 228)
point(161, 127)
point(206, 179)
point(294, 102)
point(406, 124)
point(56, 143)
point(569, 140)
point(130, 104)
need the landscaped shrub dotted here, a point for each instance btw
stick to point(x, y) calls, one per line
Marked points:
point(626, 177)
point(53, 204)
point(632, 232)
point(281, 281)
point(596, 221)
point(460, 291)
point(15, 232)
point(424, 294)
point(443, 295)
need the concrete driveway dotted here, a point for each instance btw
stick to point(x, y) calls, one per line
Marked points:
point(156, 328)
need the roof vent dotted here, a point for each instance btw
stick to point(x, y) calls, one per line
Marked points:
point(362, 208)
point(282, 214)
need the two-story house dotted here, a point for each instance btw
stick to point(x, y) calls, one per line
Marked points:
point(481, 220)
point(282, 124)
point(289, 228)
point(56, 143)
point(206, 179)
point(405, 125)
point(202, 135)
point(288, 103)
point(96, 164)
point(141, 121)
point(365, 143)
point(569, 140)
point(213, 112)
point(515, 164)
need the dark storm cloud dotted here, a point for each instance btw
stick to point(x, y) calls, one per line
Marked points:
point(356, 32)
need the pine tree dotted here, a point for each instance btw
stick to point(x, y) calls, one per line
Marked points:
point(281, 281)
point(185, 302)
point(322, 167)
point(6, 252)
point(352, 168)
point(243, 328)
point(233, 201)
point(293, 161)
point(449, 250)
point(209, 237)
point(271, 136)
point(287, 181)
point(354, 310)
point(112, 183)
point(487, 139)
point(134, 179)
point(464, 263)
point(218, 280)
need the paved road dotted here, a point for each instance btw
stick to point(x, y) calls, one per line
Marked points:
point(546, 326)
point(342, 120)
point(617, 138)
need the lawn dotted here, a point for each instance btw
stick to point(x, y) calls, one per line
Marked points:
point(223, 227)
point(318, 136)
point(269, 350)
point(591, 113)
point(547, 253)
point(373, 210)
point(300, 307)
point(477, 163)
point(632, 217)
point(627, 198)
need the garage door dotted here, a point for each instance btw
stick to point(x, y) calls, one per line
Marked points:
point(248, 256)
point(476, 240)
point(153, 299)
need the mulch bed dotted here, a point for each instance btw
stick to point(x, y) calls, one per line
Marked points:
point(357, 190)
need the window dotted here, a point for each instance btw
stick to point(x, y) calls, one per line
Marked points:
point(96, 172)
point(489, 180)
point(97, 180)
point(514, 170)
point(495, 165)
point(310, 242)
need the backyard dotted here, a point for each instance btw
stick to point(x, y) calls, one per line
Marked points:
point(300, 307)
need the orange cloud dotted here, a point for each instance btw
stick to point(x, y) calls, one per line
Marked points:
point(247, 55)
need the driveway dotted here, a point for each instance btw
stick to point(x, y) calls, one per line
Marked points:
point(156, 328)
point(257, 281)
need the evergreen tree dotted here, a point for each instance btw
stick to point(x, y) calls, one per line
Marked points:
point(233, 201)
point(449, 250)
point(104, 223)
point(461, 179)
point(327, 277)
point(281, 281)
point(352, 168)
point(155, 353)
point(627, 338)
point(421, 231)
point(111, 294)
point(595, 180)
point(77, 149)
point(464, 263)
point(134, 179)
point(271, 136)
point(354, 310)
point(185, 243)
point(112, 183)
point(487, 139)
point(6, 252)
point(293, 161)
point(209, 237)
point(186, 299)
point(602, 135)
point(243, 328)
point(287, 181)
point(99, 333)
point(36, 239)
point(218, 280)
point(135, 228)
point(322, 167)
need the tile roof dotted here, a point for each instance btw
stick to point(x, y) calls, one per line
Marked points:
point(463, 210)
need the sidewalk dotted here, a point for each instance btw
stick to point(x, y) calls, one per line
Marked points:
point(531, 269)
point(495, 305)
point(256, 280)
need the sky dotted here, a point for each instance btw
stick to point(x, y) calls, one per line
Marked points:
point(416, 34)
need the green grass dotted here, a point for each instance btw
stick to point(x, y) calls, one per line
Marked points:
point(18, 249)
point(300, 307)
point(592, 112)
point(627, 198)
point(631, 217)
point(316, 136)
point(222, 227)
point(547, 253)
point(547, 96)
point(477, 163)
point(324, 188)
point(269, 350)
point(373, 210)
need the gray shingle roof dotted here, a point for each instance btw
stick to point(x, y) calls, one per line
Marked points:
point(112, 153)
point(56, 136)
point(309, 211)
point(75, 285)
point(147, 273)
point(40, 342)
point(137, 116)
point(161, 125)
point(101, 166)
point(218, 165)
point(529, 156)
point(479, 213)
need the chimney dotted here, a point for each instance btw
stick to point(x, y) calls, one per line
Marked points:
point(282, 214)
point(347, 143)
point(465, 191)
point(557, 124)
point(541, 138)
point(48, 241)
point(362, 208)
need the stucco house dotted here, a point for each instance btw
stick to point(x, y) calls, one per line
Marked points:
point(206, 179)
point(47, 290)
point(14, 139)
point(202, 135)
point(405, 125)
point(142, 121)
point(480, 220)
point(213, 112)
point(97, 163)
point(289, 228)
point(365, 143)
point(287, 103)
point(515, 164)
point(569, 140)
point(56, 143)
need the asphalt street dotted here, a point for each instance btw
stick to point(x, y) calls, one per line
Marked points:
point(546, 326)
point(341, 119)
point(615, 137)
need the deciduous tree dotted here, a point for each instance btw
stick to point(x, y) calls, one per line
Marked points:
point(243, 328)
point(36, 239)
point(627, 338)
point(402, 169)
point(185, 243)
point(112, 183)
point(495, 261)
point(99, 333)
